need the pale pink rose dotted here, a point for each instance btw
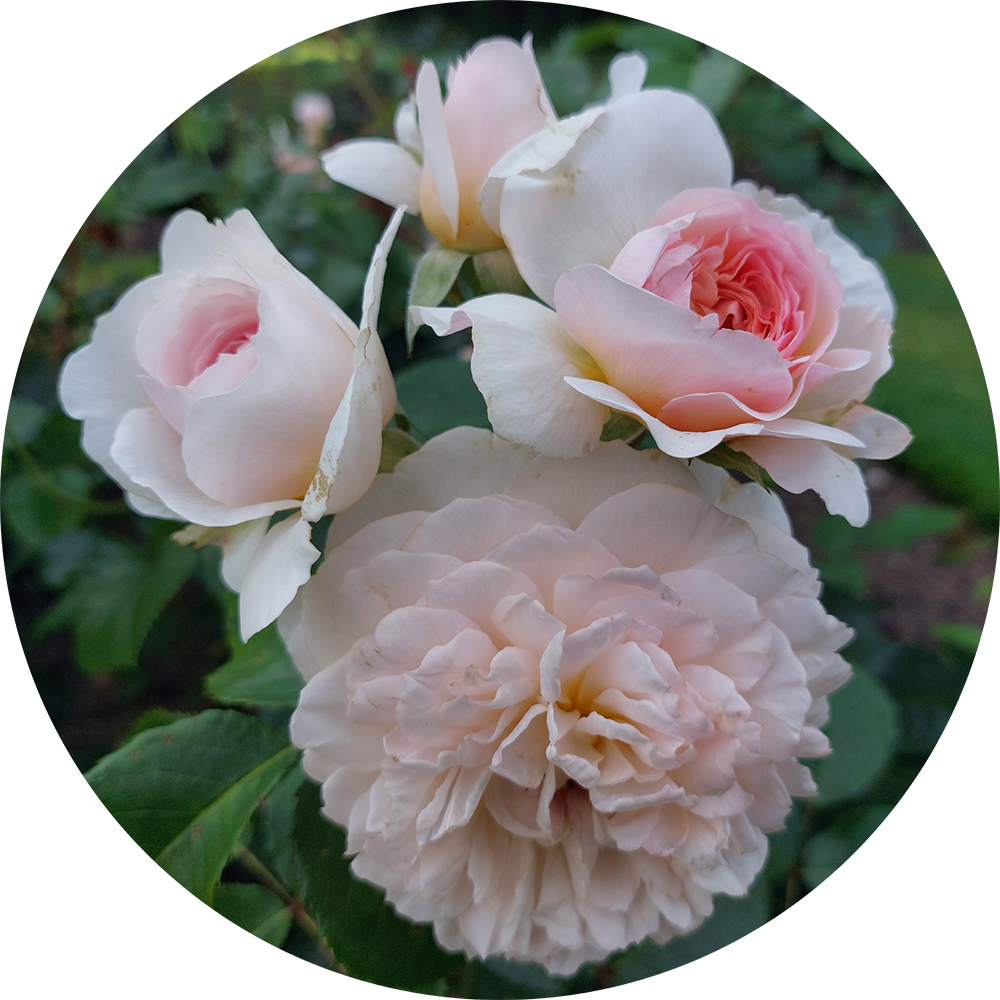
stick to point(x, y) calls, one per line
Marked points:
point(558, 704)
point(227, 388)
point(708, 313)
point(445, 149)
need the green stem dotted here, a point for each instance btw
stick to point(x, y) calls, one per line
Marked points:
point(256, 867)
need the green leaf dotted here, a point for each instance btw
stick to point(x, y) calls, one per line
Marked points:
point(715, 78)
point(184, 792)
point(364, 931)
point(255, 909)
point(829, 849)
point(271, 835)
point(260, 673)
point(846, 573)
point(433, 277)
point(908, 524)
point(863, 733)
point(983, 587)
point(725, 457)
point(396, 444)
point(963, 636)
point(440, 394)
point(731, 920)
point(172, 184)
point(36, 516)
point(115, 596)
point(497, 272)
point(621, 427)
point(24, 420)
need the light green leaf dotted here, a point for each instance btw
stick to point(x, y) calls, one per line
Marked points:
point(862, 732)
point(364, 931)
point(963, 636)
point(185, 792)
point(440, 394)
point(497, 272)
point(396, 444)
point(260, 673)
point(255, 909)
point(433, 276)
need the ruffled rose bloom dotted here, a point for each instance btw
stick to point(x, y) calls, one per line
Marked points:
point(445, 149)
point(707, 312)
point(557, 704)
point(229, 387)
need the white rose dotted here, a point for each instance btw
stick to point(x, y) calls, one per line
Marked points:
point(557, 704)
point(229, 387)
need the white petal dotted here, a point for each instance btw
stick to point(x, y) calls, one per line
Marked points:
point(520, 358)
point(635, 156)
point(882, 435)
point(150, 449)
point(239, 548)
point(462, 462)
point(405, 129)
point(799, 464)
point(378, 168)
point(626, 74)
point(437, 146)
point(278, 568)
point(680, 444)
point(352, 449)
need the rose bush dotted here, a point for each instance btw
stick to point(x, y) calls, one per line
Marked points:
point(707, 312)
point(558, 704)
point(227, 388)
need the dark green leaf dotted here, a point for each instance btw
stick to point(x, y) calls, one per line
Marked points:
point(962, 635)
point(364, 931)
point(731, 919)
point(908, 524)
point(184, 792)
point(172, 184)
point(862, 732)
point(440, 394)
point(260, 673)
point(115, 596)
point(725, 457)
point(255, 909)
point(24, 420)
point(847, 573)
point(830, 848)
point(621, 427)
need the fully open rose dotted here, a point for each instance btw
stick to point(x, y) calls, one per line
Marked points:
point(706, 313)
point(558, 704)
point(229, 387)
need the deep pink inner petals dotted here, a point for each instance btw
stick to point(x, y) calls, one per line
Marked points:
point(748, 267)
point(220, 324)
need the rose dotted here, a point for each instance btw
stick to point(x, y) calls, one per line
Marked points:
point(227, 388)
point(705, 312)
point(557, 704)
point(445, 150)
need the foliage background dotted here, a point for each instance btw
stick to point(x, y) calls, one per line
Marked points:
point(117, 621)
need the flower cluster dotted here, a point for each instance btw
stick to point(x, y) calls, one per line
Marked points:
point(558, 687)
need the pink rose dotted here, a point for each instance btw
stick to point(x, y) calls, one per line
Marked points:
point(227, 388)
point(558, 705)
point(708, 313)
